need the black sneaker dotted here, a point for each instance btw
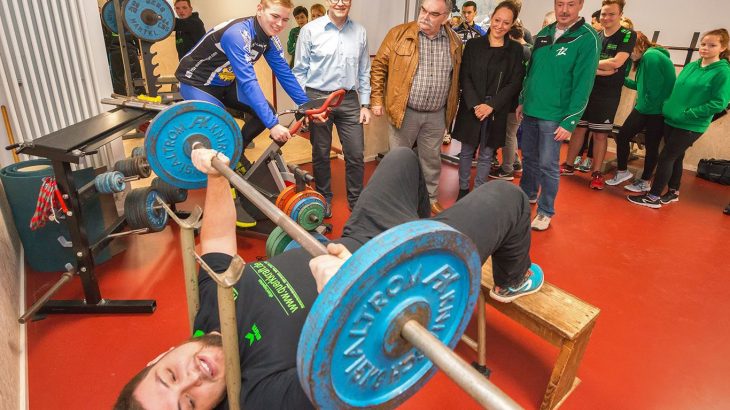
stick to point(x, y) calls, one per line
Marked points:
point(669, 197)
point(499, 174)
point(517, 167)
point(644, 200)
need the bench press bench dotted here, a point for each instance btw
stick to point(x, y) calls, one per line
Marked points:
point(553, 314)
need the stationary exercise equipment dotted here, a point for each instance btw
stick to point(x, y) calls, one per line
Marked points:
point(405, 296)
point(148, 20)
point(69, 147)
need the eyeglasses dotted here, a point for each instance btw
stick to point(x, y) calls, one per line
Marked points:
point(432, 14)
point(344, 2)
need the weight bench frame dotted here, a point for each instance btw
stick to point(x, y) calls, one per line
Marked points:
point(68, 146)
point(553, 314)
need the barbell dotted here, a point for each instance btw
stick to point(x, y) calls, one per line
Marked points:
point(403, 298)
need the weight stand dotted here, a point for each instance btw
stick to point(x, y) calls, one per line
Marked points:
point(67, 146)
point(187, 246)
point(229, 327)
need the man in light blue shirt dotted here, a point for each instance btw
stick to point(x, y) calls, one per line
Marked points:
point(332, 54)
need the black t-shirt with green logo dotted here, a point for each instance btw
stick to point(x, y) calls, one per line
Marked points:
point(273, 299)
point(622, 40)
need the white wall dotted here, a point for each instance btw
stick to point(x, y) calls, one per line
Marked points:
point(676, 19)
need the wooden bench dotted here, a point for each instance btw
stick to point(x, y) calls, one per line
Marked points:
point(553, 314)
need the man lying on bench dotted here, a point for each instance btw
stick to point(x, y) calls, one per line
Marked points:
point(496, 216)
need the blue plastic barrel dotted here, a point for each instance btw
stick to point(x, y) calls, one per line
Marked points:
point(44, 247)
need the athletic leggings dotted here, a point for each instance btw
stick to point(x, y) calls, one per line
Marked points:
point(634, 123)
point(669, 168)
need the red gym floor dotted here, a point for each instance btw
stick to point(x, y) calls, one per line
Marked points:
point(659, 277)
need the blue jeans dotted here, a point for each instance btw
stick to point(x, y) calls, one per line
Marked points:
point(484, 163)
point(540, 162)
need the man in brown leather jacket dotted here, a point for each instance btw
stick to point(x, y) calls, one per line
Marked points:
point(415, 78)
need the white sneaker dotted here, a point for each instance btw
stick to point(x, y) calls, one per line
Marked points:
point(638, 186)
point(620, 177)
point(541, 222)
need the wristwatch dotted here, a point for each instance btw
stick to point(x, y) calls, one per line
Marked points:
point(365, 106)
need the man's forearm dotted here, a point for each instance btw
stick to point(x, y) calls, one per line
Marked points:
point(218, 232)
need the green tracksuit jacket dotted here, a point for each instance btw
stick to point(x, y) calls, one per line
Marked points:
point(560, 74)
point(655, 75)
point(699, 93)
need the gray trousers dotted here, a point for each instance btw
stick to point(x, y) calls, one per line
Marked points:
point(426, 130)
point(509, 151)
point(346, 117)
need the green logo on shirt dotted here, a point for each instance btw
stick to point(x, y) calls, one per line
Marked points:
point(253, 335)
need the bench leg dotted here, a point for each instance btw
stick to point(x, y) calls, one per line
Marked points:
point(566, 368)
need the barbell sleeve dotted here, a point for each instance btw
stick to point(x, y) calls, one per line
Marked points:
point(463, 374)
point(67, 276)
point(276, 215)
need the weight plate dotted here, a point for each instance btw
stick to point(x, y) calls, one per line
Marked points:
point(138, 151)
point(294, 199)
point(149, 20)
point(172, 133)
point(155, 215)
point(350, 351)
point(276, 242)
point(318, 236)
point(311, 215)
point(284, 196)
point(109, 17)
point(299, 205)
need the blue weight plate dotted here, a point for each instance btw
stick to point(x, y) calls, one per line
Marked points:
point(169, 137)
point(350, 352)
point(300, 205)
point(109, 17)
point(149, 20)
point(318, 236)
point(155, 213)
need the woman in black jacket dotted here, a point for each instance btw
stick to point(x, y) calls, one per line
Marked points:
point(491, 78)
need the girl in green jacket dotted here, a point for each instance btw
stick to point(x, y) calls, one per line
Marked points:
point(702, 89)
point(655, 76)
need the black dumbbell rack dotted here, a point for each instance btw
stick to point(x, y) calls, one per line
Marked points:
point(68, 146)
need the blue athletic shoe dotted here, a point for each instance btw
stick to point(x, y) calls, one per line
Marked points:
point(531, 284)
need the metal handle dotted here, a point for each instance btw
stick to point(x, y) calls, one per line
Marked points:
point(333, 100)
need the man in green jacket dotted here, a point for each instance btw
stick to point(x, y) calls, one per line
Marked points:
point(559, 80)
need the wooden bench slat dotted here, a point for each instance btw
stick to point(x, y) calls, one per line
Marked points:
point(548, 308)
